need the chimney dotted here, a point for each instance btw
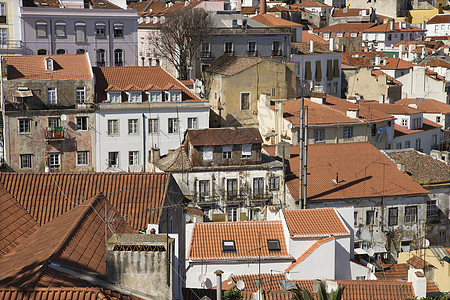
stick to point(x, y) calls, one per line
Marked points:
point(219, 283)
point(238, 5)
point(392, 25)
point(332, 44)
point(311, 46)
point(381, 99)
point(419, 282)
point(377, 60)
point(262, 7)
point(155, 155)
point(353, 113)
point(318, 97)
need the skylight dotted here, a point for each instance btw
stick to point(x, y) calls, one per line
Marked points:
point(229, 246)
point(273, 245)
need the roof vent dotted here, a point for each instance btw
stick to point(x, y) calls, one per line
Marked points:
point(353, 113)
point(418, 99)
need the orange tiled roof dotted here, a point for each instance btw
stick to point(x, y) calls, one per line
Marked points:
point(436, 63)
point(309, 3)
point(308, 37)
point(273, 21)
point(346, 27)
point(207, 238)
point(395, 63)
point(393, 272)
point(418, 263)
point(442, 18)
point(141, 77)
point(85, 293)
point(320, 222)
point(224, 136)
point(428, 105)
point(349, 12)
point(358, 176)
point(134, 195)
point(387, 28)
point(392, 109)
point(434, 75)
point(15, 222)
point(308, 252)
point(432, 287)
point(427, 125)
point(77, 240)
point(271, 282)
point(32, 67)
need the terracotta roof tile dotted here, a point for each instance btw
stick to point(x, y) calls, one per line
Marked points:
point(427, 105)
point(43, 194)
point(386, 28)
point(308, 252)
point(270, 282)
point(358, 177)
point(432, 287)
point(349, 12)
point(427, 125)
point(89, 293)
point(436, 63)
point(120, 78)
point(310, 3)
point(308, 37)
point(395, 63)
point(347, 27)
point(77, 240)
point(273, 21)
point(15, 222)
point(32, 67)
point(393, 272)
point(422, 168)
point(231, 65)
point(418, 263)
point(320, 222)
point(442, 18)
point(207, 238)
point(224, 136)
point(304, 48)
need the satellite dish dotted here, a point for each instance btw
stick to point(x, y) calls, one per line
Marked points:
point(63, 117)
point(371, 252)
point(188, 218)
point(240, 285)
point(426, 243)
point(202, 279)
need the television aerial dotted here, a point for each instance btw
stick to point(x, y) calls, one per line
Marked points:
point(240, 285)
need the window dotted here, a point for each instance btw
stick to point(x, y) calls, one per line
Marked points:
point(52, 96)
point(100, 30)
point(82, 158)
point(434, 140)
point(229, 48)
point(418, 142)
point(155, 96)
point(53, 122)
point(41, 29)
point(353, 34)
point(319, 135)
point(232, 214)
point(232, 187)
point(173, 125)
point(251, 48)
point(348, 133)
point(118, 57)
point(411, 214)
point(228, 246)
point(245, 101)
point(113, 127)
point(355, 219)
point(24, 126)
point(246, 151)
point(203, 188)
point(369, 217)
point(81, 94)
point(398, 145)
point(438, 119)
point(276, 48)
point(192, 123)
point(115, 97)
point(442, 239)
point(206, 50)
point(432, 209)
point(326, 36)
point(374, 129)
point(81, 51)
point(25, 161)
point(153, 125)
point(3, 37)
point(133, 158)
point(54, 162)
point(258, 186)
point(405, 122)
point(60, 30)
point(101, 57)
point(118, 30)
point(3, 12)
point(132, 126)
point(61, 51)
point(80, 32)
point(82, 123)
point(227, 152)
point(407, 144)
point(417, 123)
point(113, 159)
point(174, 96)
point(134, 97)
point(49, 64)
point(207, 153)
point(389, 37)
point(339, 34)
point(393, 216)
point(273, 245)
point(274, 183)
point(42, 52)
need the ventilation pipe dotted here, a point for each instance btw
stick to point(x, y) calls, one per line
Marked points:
point(219, 283)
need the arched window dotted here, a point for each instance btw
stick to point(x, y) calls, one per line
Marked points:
point(42, 52)
point(118, 30)
point(41, 29)
point(100, 30)
point(101, 58)
point(118, 57)
point(61, 51)
point(80, 32)
point(60, 29)
point(81, 51)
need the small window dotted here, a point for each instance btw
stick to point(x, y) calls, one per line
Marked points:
point(133, 158)
point(115, 97)
point(232, 213)
point(229, 246)
point(41, 29)
point(251, 48)
point(245, 101)
point(60, 30)
point(355, 220)
point(273, 245)
point(80, 32)
point(81, 51)
point(52, 96)
point(319, 135)
point(54, 122)
point(274, 183)
point(118, 30)
point(203, 188)
point(173, 125)
point(276, 48)
point(81, 94)
point(411, 214)
point(258, 186)
point(432, 209)
point(153, 126)
point(54, 162)
point(369, 217)
point(133, 126)
point(61, 51)
point(398, 145)
point(134, 97)
point(25, 161)
point(227, 152)
point(393, 216)
point(100, 30)
point(339, 34)
point(113, 127)
point(49, 64)
point(407, 144)
point(374, 130)
point(24, 126)
point(82, 158)
point(192, 123)
point(348, 133)
point(442, 239)
point(118, 57)
point(101, 57)
point(405, 122)
point(438, 119)
point(113, 159)
point(155, 96)
point(207, 153)
point(246, 151)
point(82, 123)
point(229, 48)
point(42, 52)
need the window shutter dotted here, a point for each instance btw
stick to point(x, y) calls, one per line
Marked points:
point(329, 69)
point(336, 68)
point(318, 71)
point(308, 75)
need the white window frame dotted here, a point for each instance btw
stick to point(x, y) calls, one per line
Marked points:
point(100, 25)
point(119, 57)
point(232, 214)
point(54, 161)
point(82, 158)
point(115, 97)
point(153, 126)
point(52, 95)
point(3, 9)
point(80, 27)
point(411, 217)
point(53, 122)
point(133, 158)
point(175, 124)
point(155, 96)
point(41, 26)
point(246, 151)
point(48, 64)
point(116, 156)
point(134, 96)
point(120, 27)
point(225, 48)
point(320, 136)
point(175, 96)
point(100, 56)
point(348, 132)
point(82, 123)
point(60, 26)
point(26, 125)
point(207, 153)
point(113, 127)
point(133, 126)
point(25, 161)
point(192, 123)
point(80, 94)
point(227, 152)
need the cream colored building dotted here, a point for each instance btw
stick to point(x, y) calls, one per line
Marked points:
point(10, 27)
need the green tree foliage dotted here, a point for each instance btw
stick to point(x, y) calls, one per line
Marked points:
point(233, 294)
point(321, 294)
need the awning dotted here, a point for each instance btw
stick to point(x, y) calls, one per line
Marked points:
point(22, 94)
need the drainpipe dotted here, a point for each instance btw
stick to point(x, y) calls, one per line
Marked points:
point(305, 160)
point(219, 283)
point(300, 149)
point(143, 144)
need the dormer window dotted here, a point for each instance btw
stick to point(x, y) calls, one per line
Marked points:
point(229, 246)
point(246, 151)
point(154, 96)
point(134, 97)
point(174, 96)
point(115, 97)
point(49, 64)
point(416, 123)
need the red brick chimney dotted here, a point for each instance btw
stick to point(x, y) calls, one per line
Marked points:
point(262, 6)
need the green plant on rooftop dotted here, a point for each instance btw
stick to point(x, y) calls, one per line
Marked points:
point(321, 293)
point(233, 294)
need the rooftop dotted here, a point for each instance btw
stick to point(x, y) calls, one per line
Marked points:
point(386, 27)
point(84, 293)
point(442, 18)
point(395, 63)
point(207, 241)
point(87, 4)
point(232, 65)
point(347, 27)
point(320, 222)
point(427, 105)
point(33, 67)
point(223, 136)
point(427, 125)
point(272, 21)
point(350, 12)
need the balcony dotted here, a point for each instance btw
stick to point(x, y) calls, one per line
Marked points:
point(229, 53)
point(10, 46)
point(259, 198)
point(206, 199)
point(54, 134)
point(205, 54)
point(277, 53)
point(252, 53)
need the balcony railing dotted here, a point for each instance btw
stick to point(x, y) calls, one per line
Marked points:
point(206, 199)
point(229, 53)
point(260, 197)
point(277, 53)
point(205, 54)
point(54, 133)
point(11, 45)
point(252, 53)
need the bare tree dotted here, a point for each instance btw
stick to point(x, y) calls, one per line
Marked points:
point(181, 36)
